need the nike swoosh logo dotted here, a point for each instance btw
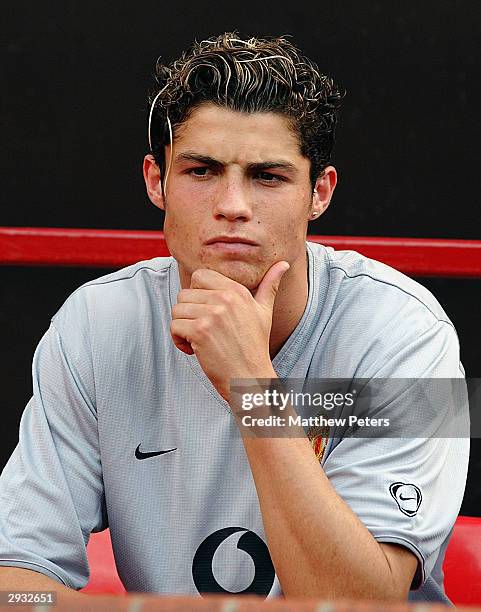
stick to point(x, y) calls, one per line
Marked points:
point(140, 455)
point(405, 498)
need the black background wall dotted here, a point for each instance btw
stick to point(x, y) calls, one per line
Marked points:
point(74, 77)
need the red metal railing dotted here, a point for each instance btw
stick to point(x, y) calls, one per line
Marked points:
point(117, 248)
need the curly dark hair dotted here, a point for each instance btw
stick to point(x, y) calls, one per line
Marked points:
point(254, 75)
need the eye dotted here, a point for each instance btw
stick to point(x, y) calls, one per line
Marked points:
point(199, 171)
point(267, 177)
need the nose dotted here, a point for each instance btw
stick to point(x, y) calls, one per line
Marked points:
point(232, 201)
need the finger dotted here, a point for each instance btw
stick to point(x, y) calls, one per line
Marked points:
point(181, 332)
point(198, 296)
point(269, 285)
point(183, 345)
point(202, 278)
point(188, 310)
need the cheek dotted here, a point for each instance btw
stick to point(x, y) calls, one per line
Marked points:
point(184, 229)
point(180, 221)
point(289, 233)
point(177, 232)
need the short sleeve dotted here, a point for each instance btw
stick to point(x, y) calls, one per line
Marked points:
point(408, 490)
point(51, 490)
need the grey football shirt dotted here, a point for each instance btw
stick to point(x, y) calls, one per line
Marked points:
point(110, 388)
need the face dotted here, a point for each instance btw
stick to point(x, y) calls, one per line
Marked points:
point(238, 196)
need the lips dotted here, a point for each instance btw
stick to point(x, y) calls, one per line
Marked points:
point(231, 240)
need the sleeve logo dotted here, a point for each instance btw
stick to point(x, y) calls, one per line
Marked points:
point(408, 497)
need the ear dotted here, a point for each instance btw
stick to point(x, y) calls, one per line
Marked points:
point(321, 197)
point(152, 182)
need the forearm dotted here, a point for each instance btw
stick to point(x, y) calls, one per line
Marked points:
point(21, 579)
point(319, 547)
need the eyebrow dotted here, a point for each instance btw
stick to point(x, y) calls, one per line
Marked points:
point(256, 167)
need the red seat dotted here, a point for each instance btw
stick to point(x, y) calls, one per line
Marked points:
point(103, 573)
point(462, 565)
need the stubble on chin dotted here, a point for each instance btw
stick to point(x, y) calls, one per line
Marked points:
point(241, 271)
point(245, 274)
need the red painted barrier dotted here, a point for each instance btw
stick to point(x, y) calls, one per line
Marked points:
point(118, 248)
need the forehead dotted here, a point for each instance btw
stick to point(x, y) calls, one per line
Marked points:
point(234, 135)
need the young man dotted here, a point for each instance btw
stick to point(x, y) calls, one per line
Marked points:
point(133, 425)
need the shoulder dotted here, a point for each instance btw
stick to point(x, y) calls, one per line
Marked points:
point(355, 276)
point(376, 316)
point(119, 297)
point(142, 271)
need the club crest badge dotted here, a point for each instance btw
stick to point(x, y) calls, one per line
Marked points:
point(319, 437)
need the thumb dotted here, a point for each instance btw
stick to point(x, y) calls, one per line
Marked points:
point(267, 289)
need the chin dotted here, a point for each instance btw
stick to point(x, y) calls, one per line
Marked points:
point(239, 271)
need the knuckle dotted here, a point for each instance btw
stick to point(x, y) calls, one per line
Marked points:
point(243, 291)
point(219, 310)
point(203, 327)
point(227, 298)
